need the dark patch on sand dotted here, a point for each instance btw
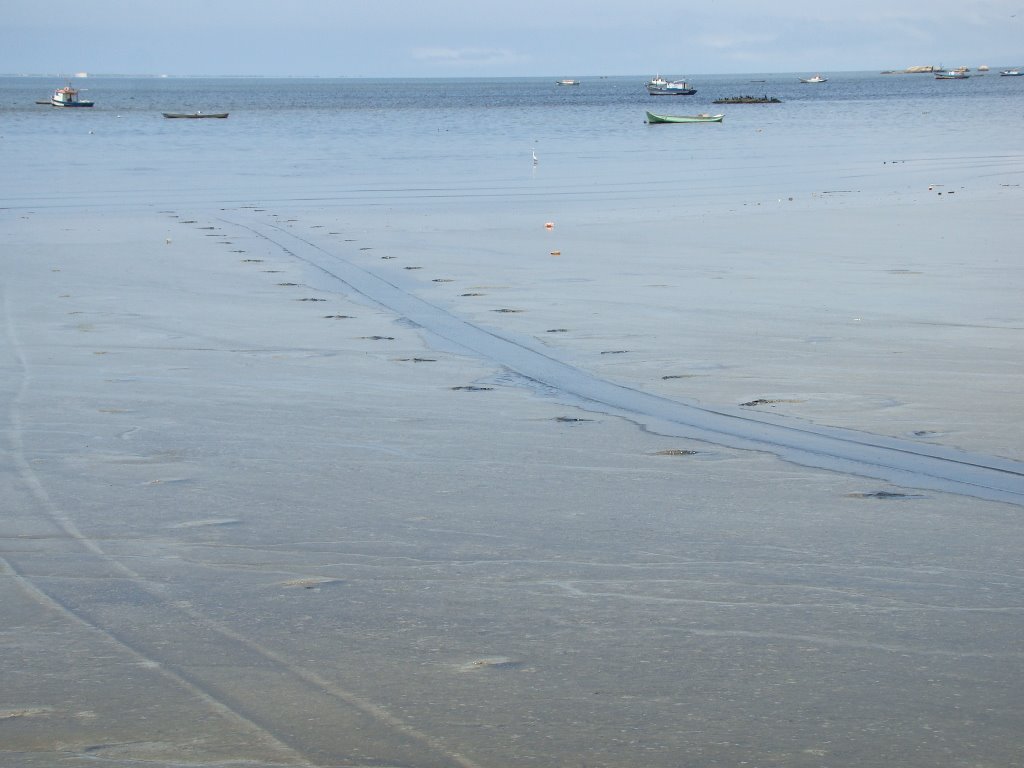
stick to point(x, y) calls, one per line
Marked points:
point(675, 452)
point(312, 582)
point(767, 402)
point(496, 663)
point(213, 522)
point(378, 338)
point(570, 419)
point(884, 495)
point(473, 388)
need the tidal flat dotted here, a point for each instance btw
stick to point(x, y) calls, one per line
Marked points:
point(254, 515)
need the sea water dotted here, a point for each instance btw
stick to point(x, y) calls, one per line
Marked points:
point(444, 143)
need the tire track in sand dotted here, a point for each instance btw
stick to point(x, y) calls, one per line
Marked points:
point(333, 726)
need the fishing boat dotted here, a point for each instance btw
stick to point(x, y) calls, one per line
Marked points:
point(196, 115)
point(815, 79)
point(673, 88)
point(567, 81)
point(953, 74)
point(654, 119)
point(68, 97)
point(1010, 73)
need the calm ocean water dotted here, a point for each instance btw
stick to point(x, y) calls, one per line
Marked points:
point(423, 142)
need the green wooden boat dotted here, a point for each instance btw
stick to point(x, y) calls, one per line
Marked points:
point(654, 119)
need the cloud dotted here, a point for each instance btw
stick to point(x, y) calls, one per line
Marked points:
point(730, 42)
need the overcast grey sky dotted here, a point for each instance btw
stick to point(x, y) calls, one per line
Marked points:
point(457, 38)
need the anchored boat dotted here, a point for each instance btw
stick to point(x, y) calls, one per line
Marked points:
point(660, 87)
point(654, 119)
point(68, 97)
point(196, 115)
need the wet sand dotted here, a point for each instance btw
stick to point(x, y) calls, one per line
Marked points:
point(254, 519)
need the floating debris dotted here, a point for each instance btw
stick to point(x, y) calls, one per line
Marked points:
point(675, 452)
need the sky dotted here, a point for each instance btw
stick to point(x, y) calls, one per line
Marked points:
point(512, 38)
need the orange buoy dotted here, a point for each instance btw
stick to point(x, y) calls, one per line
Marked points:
point(549, 225)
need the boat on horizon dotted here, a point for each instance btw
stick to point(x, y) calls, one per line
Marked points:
point(953, 74)
point(815, 79)
point(1010, 73)
point(653, 119)
point(68, 97)
point(659, 86)
point(567, 81)
point(195, 115)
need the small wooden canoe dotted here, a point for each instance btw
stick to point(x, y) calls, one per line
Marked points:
point(196, 115)
point(654, 119)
